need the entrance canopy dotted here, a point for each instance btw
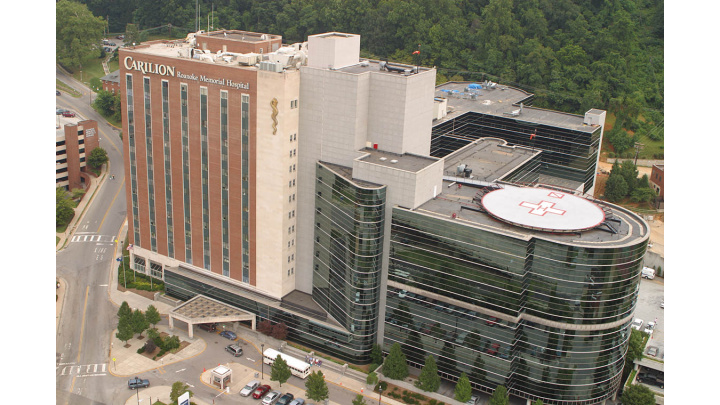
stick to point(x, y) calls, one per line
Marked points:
point(202, 309)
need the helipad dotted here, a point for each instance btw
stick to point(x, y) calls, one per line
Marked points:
point(543, 209)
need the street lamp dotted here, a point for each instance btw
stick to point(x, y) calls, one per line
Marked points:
point(380, 392)
point(262, 361)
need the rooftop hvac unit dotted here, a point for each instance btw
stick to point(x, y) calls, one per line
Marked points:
point(394, 161)
point(460, 169)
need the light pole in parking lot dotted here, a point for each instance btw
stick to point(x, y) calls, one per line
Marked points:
point(262, 361)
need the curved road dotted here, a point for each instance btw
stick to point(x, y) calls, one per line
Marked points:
point(87, 318)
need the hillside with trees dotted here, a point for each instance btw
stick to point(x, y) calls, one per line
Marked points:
point(572, 54)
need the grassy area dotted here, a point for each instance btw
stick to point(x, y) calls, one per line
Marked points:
point(631, 378)
point(651, 150)
point(63, 227)
point(65, 89)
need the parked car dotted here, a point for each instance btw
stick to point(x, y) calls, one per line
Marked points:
point(120, 37)
point(68, 114)
point(297, 401)
point(135, 383)
point(57, 92)
point(652, 379)
point(249, 388)
point(650, 328)
point(652, 351)
point(271, 398)
point(285, 399)
point(260, 391)
point(473, 400)
point(210, 327)
point(228, 334)
point(492, 321)
point(662, 303)
point(637, 324)
point(60, 111)
point(235, 350)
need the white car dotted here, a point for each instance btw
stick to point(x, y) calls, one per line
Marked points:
point(637, 324)
point(473, 400)
point(249, 388)
point(271, 398)
point(650, 328)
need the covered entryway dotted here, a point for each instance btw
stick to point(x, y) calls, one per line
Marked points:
point(202, 309)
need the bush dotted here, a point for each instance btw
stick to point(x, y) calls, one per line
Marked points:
point(372, 378)
point(382, 385)
point(433, 401)
point(141, 350)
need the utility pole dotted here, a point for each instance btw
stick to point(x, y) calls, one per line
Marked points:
point(638, 147)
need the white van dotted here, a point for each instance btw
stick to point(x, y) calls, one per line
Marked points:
point(648, 273)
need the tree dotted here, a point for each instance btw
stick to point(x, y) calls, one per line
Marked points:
point(63, 207)
point(615, 188)
point(178, 388)
point(265, 327)
point(637, 395)
point(97, 158)
point(463, 389)
point(376, 354)
point(279, 331)
point(152, 315)
point(132, 34)
point(105, 102)
point(538, 402)
point(125, 330)
point(359, 400)
point(635, 346)
point(500, 396)
point(280, 371)
point(125, 311)
point(149, 346)
point(395, 366)
point(372, 378)
point(77, 33)
point(315, 386)
point(429, 379)
point(139, 322)
point(630, 173)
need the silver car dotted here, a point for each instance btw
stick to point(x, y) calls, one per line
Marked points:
point(297, 401)
point(271, 397)
point(249, 388)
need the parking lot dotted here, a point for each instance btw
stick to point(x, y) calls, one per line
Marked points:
point(652, 293)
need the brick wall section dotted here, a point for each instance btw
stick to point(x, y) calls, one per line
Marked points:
point(187, 66)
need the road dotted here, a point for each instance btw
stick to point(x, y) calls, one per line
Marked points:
point(82, 343)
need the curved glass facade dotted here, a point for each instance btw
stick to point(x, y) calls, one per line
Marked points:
point(548, 319)
point(349, 226)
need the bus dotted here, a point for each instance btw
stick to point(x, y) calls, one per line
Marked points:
point(298, 368)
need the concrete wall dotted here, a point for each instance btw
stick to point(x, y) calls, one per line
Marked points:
point(333, 49)
point(274, 181)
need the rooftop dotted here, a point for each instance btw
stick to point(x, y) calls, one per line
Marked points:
point(504, 101)
point(390, 68)
point(406, 162)
point(244, 36)
point(112, 77)
point(489, 159)
point(464, 203)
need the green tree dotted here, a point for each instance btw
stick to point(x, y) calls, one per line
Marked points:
point(637, 395)
point(538, 402)
point(78, 193)
point(376, 354)
point(105, 103)
point(280, 371)
point(429, 379)
point(500, 396)
point(132, 34)
point(359, 400)
point(630, 173)
point(139, 322)
point(178, 388)
point(77, 33)
point(615, 188)
point(463, 389)
point(97, 158)
point(372, 378)
point(315, 386)
point(152, 315)
point(63, 207)
point(395, 366)
point(125, 330)
point(124, 311)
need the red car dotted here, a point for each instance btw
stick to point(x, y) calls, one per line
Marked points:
point(493, 349)
point(68, 114)
point(261, 391)
point(491, 321)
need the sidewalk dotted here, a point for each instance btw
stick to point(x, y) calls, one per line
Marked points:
point(95, 183)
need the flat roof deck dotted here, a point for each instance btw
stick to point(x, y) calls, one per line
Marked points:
point(502, 101)
point(489, 159)
point(407, 161)
point(449, 202)
point(371, 65)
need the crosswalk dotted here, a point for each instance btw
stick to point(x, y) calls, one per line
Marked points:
point(85, 370)
point(92, 238)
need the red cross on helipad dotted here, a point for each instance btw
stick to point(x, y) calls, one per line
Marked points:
point(542, 208)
